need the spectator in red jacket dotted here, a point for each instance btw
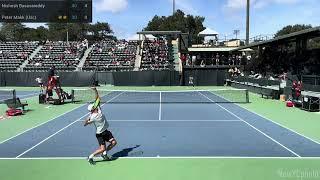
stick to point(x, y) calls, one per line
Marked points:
point(183, 59)
point(296, 90)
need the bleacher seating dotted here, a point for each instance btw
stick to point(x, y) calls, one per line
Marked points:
point(64, 56)
point(155, 55)
point(110, 55)
point(107, 55)
point(13, 54)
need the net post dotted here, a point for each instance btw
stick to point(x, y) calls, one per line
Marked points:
point(72, 95)
point(247, 96)
point(14, 96)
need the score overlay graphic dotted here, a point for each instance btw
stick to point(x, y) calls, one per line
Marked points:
point(64, 11)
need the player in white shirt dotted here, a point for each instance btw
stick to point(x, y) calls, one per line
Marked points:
point(40, 83)
point(103, 135)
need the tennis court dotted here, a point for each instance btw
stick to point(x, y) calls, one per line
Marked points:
point(164, 124)
point(11, 93)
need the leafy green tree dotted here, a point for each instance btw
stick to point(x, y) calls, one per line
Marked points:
point(12, 31)
point(177, 22)
point(291, 29)
point(55, 32)
point(100, 30)
point(42, 33)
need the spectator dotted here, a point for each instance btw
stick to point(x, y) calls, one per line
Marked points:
point(194, 60)
point(231, 72)
point(183, 59)
point(203, 64)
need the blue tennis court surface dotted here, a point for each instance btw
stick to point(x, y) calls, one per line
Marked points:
point(26, 94)
point(4, 95)
point(164, 130)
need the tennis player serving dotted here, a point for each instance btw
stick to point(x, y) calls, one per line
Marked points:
point(102, 134)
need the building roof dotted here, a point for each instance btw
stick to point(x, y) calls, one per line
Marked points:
point(208, 32)
point(215, 49)
point(160, 32)
point(284, 37)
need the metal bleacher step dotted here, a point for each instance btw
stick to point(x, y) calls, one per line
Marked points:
point(34, 53)
point(137, 63)
point(84, 58)
point(176, 56)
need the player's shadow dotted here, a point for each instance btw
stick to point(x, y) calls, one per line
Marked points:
point(124, 153)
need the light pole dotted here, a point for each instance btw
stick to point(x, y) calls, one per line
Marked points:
point(173, 6)
point(236, 32)
point(248, 23)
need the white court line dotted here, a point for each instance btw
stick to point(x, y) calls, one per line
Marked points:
point(273, 122)
point(22, 97)
point(33, 94)
point(46, 122)
point(252, 126)
point(160, 107)
point(61, 130)
point(236, 120)
point(50, 137)
point(280, 125)
point(152, 91)
point(169, 157)
point(39, 125)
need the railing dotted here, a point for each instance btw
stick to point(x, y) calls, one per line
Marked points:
point(261, 82)
point(214, 61)
point(311, 80)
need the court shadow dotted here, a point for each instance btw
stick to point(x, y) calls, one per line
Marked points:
point(126, 152)
point(28, 110)
point(123, 153)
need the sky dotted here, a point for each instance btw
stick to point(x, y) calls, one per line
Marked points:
point(224, 16)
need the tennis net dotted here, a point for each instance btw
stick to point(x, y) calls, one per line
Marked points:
point(6, 94)
point(193, 96)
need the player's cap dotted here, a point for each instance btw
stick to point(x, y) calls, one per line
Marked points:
point(90, 107)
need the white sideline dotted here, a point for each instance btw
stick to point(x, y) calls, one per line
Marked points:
point(50, 137)
point(275, 122)
point(280, 125)
point(253, 127)
point(218, 120)
point(151, 91)
point(160, 107)
point(39, 125)
point(32, 95)
point(61, 130)
point(168, 157)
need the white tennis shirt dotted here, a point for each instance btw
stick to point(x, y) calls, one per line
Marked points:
point(100, 121)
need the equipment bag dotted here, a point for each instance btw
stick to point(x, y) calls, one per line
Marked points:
point(290, 104)
point(14, 112)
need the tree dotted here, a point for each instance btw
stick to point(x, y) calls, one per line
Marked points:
point(100, 30)
point(59, 31)
point(156, 23)
point(179, 21)
point(42, 33)
point(55, 32)
point(12, 31)
point(291, 29)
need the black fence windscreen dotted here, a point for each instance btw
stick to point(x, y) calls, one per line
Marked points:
point(146, 78)
point(130, 78)
point(204, 77)
point(77, 79)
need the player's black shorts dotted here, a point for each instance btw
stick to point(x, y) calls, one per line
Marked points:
point(104, 136)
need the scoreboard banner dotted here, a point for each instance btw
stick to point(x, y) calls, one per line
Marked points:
point(64, 11)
